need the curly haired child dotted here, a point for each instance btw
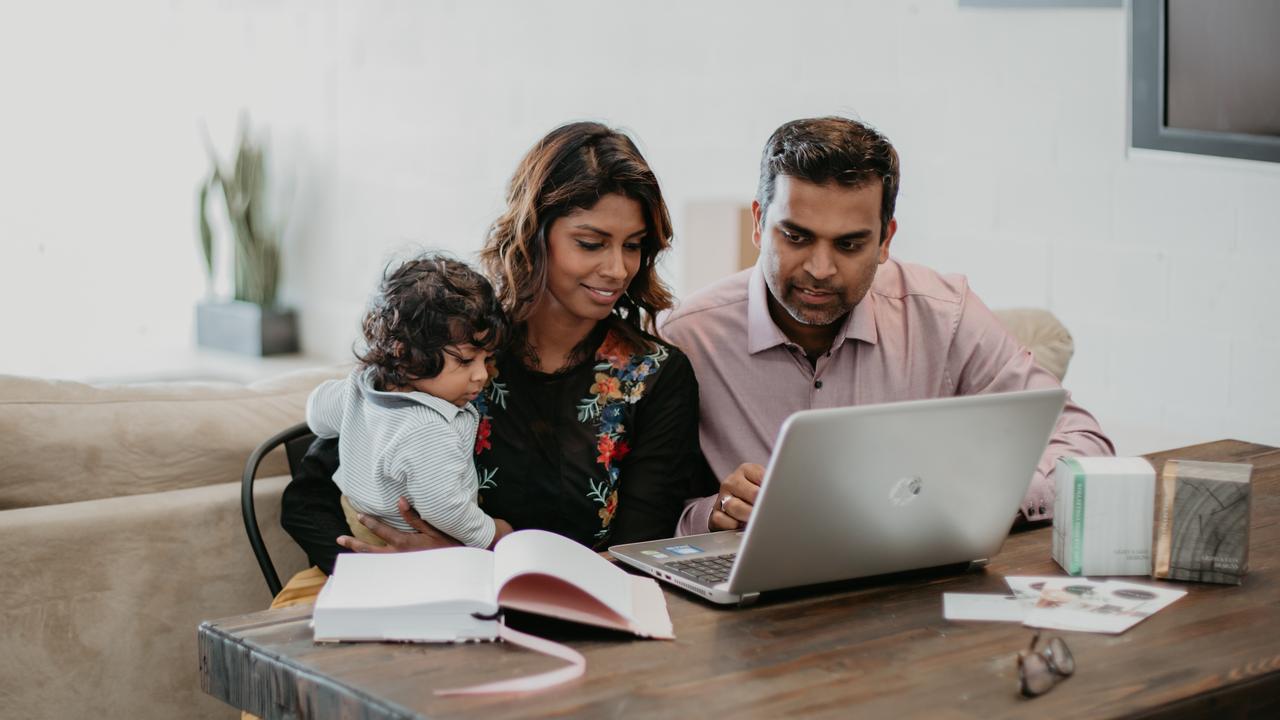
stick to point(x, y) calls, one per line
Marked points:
point(404, 419)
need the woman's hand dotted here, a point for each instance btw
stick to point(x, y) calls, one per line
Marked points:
point(501, 529)
point(426, 537)
point(737, 497)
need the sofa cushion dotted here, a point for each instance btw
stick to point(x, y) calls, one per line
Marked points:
point(64, 441)
point(100, 607)
point(1047, 339)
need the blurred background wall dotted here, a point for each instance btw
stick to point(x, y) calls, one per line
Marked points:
point(395, 125)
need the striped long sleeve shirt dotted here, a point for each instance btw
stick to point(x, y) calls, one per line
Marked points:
point(393, 444)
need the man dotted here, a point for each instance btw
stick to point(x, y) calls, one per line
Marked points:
point(827, 318)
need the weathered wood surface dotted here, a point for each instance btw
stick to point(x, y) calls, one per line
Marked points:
point(877, 649)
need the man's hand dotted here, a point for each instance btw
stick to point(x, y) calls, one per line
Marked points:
point(737, 496)
point(426, 537)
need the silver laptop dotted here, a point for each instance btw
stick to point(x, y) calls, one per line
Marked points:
point(868, 490)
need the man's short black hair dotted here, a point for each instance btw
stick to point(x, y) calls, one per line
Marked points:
point(831, 149)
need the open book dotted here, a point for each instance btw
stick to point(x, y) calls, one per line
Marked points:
point(454, 594)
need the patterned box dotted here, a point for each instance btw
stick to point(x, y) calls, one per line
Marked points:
point(1202, 522)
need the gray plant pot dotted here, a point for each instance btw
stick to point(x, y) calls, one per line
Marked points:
point(245, 328)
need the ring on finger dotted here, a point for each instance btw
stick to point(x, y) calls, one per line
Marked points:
point(724, 503)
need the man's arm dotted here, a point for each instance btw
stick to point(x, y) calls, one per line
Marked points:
point(985, 358)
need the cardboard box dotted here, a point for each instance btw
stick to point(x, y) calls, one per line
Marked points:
point(1202, 522)
point(1102, 515)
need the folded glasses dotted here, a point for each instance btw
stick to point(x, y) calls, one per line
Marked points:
point(1040, 669)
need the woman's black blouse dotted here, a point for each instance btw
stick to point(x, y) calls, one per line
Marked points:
point(604, 452)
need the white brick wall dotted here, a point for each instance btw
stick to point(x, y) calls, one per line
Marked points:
point(401, 121)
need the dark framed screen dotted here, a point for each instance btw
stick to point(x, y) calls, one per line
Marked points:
point(1205, 77)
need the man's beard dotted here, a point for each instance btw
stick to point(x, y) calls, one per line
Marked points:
point(799, 312)
point(806, 315)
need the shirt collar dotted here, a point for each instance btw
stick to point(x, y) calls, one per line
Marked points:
point(862, 321)
point(393, 399)
point(763, 333)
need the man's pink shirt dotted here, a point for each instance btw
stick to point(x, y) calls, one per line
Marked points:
point(917, 334)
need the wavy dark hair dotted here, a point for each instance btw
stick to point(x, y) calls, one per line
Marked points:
point(422, 307)
point(572, 168)
point(831, 149)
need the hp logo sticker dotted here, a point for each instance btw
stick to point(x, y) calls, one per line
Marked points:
point(905, 490)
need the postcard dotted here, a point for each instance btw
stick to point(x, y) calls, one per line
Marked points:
point(1028, 587)
point(1088, 606)
point(968, 606)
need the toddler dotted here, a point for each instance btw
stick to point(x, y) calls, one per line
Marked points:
point(404, 419)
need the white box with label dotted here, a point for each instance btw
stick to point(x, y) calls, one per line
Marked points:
point(1102, 515)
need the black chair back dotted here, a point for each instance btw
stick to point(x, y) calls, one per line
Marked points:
point(296, 440)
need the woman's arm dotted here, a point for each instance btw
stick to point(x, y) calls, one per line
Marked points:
point(426, 537)
point(311, 512)
point(440, 480)
point(663, 468)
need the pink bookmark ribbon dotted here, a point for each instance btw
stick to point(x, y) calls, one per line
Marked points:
point(532, 683)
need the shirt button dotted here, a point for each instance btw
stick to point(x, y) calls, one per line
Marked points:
point(817, 384)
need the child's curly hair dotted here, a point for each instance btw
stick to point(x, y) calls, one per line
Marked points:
point(422, 307)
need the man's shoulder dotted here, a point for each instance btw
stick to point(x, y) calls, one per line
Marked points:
point(898, 280)
point(725, 297)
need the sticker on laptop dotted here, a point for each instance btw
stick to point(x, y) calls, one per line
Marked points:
point(683, 550)
point(653, 554)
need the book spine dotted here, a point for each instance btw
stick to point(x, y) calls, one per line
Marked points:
point(1075, 562)
point(1161, 547)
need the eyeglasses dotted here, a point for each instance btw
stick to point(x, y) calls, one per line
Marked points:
point(1039, 670)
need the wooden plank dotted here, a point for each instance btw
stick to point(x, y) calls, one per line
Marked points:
point(877, 647)
point(266, 681)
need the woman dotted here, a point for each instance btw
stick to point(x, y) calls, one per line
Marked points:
point(589, 421)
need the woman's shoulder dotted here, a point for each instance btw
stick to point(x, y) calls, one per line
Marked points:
point(641, 365)
point(624, 345)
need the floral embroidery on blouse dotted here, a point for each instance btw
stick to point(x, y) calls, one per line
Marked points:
point(495, 392)
point(610, 507)
point(620, 375)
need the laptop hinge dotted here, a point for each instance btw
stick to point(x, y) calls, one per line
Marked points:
point(978, 564)
point(748, 599)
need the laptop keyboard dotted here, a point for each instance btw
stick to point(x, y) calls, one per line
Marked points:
point(710, 569)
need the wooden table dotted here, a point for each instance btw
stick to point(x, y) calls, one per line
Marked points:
point(880, 649)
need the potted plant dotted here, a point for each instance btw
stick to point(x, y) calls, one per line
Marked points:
point(251, 322)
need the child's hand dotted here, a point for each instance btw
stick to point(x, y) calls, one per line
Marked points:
point(426, 537)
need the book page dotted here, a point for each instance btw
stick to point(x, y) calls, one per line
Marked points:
point(442, 578)
point(651, 616)
point(544, 553)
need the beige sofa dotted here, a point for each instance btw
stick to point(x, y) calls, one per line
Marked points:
point(121, 530)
